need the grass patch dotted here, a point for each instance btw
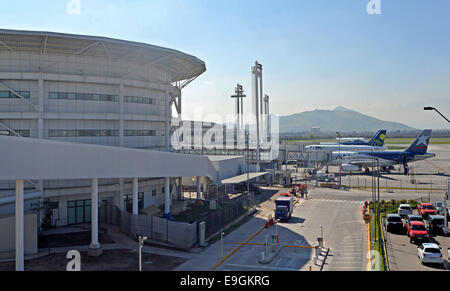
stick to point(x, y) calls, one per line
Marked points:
point(408, 141)
point(391, 207)
point(389, 141)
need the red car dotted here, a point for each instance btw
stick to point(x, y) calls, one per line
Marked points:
point(426, 209)
point(417, 232)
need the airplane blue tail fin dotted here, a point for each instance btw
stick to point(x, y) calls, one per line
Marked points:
point(378, 139)
point(420, 145)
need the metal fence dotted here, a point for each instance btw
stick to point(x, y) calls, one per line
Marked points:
point(228, 212)
point(400, 185)
point(178, 234)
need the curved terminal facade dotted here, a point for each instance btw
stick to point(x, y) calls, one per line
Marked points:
point(94, 90)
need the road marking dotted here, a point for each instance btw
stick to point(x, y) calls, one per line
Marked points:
point(285, 246)
point(262, 267)
point(339, 201)
point(236, 249)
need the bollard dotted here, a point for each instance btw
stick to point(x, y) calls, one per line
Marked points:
point(274, 242)
point(320, 242)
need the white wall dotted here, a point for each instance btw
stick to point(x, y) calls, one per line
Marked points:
point(7, 230)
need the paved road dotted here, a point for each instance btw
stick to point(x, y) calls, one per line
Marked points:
point(344, 233)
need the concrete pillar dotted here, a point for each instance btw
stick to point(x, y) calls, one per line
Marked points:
point(41, 109)
point(20, 237)
point(121, 203)
point(135, 196)
point(95, 249)
point(199, 189)
point(167, 198)
point(121, 113)
point(168, 120)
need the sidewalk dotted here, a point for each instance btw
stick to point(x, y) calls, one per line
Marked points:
point(212, 255)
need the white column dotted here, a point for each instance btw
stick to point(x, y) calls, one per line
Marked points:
point(256, 108)
point(121, 113)
point(20, 238)
point(121, 203)
point(94, 209)
point(199, 189)
point(135, 196)
point(168, 120)
point(41, 99)
point(167, 197)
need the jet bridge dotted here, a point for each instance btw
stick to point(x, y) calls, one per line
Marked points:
point(297, 152)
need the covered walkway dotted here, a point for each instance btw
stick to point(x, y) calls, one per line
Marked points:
point(33, 159)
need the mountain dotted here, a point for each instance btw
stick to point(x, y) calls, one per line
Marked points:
point(340, 119)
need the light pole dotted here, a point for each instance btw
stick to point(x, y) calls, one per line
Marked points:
point(340, 161)
point(448, 193)
point(432, 108)
point(142, 239)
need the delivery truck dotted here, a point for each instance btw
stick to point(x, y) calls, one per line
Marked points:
point(284, 206)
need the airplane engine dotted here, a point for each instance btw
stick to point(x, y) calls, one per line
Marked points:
point(350, 168)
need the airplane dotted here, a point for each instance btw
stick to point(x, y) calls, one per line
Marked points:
point(377, 140)
point(376, 143)
point(355, 161)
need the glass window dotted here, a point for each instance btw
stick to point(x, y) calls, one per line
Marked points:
point(72, 96)
point(96, 97)
point(4, 94)
point(53, 95)
point(63, 95)
point(25, 94)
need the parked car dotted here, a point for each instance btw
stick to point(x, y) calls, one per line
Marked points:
point(426, 209)
point(405, 210)
point(439, 206)
point(393, 222)
point(441, 210)
point(430, 253)
point(417, 232)
point(413, 217)
point(435, 224)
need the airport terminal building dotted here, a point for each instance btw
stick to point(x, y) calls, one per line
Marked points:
point(91, 90)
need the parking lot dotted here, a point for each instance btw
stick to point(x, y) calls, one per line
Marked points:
point(427, 184)
point(403, 256)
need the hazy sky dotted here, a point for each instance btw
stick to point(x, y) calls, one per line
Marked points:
point(315, 53)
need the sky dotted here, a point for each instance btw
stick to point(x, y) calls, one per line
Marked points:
point(316, 54)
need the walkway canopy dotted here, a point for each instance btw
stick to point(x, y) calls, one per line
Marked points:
point(243, 178)
point(34, 159)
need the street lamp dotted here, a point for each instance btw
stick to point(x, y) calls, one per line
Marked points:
point(432, 108)
point(141, 239)
point(340, 161)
